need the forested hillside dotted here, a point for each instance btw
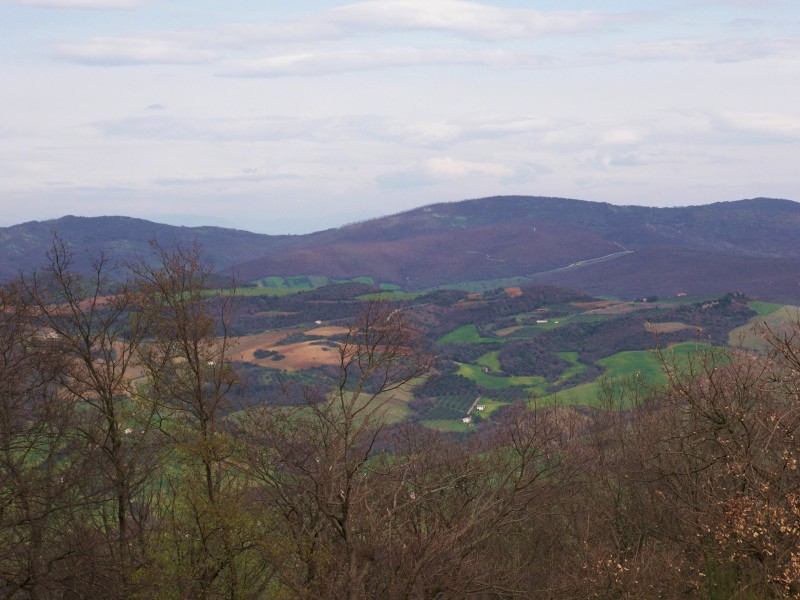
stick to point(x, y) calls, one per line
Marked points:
point(749, 246)
point(134, 465)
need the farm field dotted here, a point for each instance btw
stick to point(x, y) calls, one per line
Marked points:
point(576, 367)
point(501, 345)
point(779, 318)
point(466, 334)
point(639, 366)
point(476, 374)
point(668, 327)
point(293, 356)
point(490, 361)
point(451, 425)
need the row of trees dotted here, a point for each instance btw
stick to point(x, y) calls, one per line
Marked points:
point(126, 470)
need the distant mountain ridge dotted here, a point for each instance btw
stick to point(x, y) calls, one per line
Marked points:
point(23, 246)
point(747, 245)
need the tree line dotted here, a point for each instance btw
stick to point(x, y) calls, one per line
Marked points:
point(127, 469)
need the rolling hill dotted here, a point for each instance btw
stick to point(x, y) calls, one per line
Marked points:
point(751, 246)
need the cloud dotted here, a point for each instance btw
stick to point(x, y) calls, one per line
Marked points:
point(366, 22)
point(82, 4)
point(457, 17)
point(450, 168)
point(276, 129)
point(439, 133)
point(321, 62)
point(470, 19)
point(721, 51)
point(133, 51)
point(246, 176)
point(446, 169)
point(407, 133)
point(758, 127)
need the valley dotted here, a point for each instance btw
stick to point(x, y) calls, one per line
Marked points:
point(170, 426)
point(533, 344)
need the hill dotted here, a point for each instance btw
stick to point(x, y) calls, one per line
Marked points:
point(23, 247)
point(749, 245)
point(752, 246)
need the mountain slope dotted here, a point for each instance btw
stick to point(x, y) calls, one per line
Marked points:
point(23, 247)
point(654, 249)
point(751, 246)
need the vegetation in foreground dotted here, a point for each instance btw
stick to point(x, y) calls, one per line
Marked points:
point(126, 472)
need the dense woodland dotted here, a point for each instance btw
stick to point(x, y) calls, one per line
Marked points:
point(131, 468)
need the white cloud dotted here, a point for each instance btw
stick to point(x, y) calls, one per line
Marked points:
point(130, 51)
point(82, 4)
point(425, 134)
point(358, 128)
point(458, 17)
point(470, 19)
point(321, 62)
point(451, 168)
point(759, 127)
point(718, 51)
point(445, 169)
point(369, 20)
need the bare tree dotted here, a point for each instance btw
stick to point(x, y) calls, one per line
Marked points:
point(88, 323)
point(204, 531)
point(38, 480)
point(363, 510)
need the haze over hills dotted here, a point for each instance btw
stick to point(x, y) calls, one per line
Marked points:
point(751, 246)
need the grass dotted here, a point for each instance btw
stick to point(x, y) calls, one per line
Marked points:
point(389, 295)
point(276, 286)
point(575, 366)
point(450, 407)
point(764, 308)
point(491, 406)
point(491, 361)
point(484, 285)
point(449, 425)
point(466, 334)
point(641, 365)
point(779, 320)
point(283, 286)
point(364, 280)
point(273, 292)
point(493, 382)
point(521, 332)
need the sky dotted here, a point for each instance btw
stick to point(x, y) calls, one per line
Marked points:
point(289, 117)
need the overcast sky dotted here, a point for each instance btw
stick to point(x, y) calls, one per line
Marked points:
point(286, 116)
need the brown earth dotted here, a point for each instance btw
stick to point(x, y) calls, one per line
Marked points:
point(667, 327)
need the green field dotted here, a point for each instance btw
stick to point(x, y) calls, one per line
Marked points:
point(466, 334)
point(490, 361)
point(389, 296)
point(493, 382)
point(449, 407)
point(778, 318)
point(575, 366)
point(452, 425)
point(476, 287)
point(764, 308)
point(637, 366)
point(364, 280)
point(491, 406)
point(283, 286)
